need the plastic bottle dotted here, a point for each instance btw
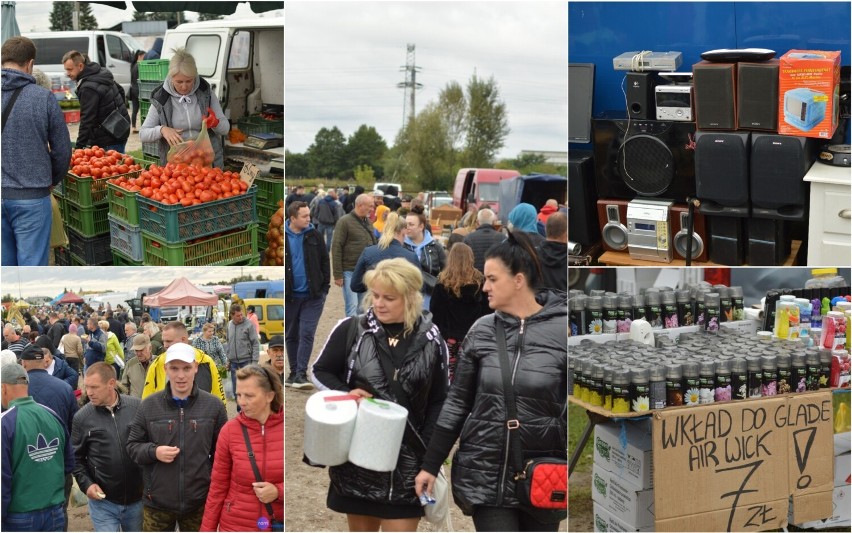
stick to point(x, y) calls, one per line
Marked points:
point(640, 391)
point(805, 311)
point(723, 382)
point(738, 309)
point(755, 376)
point(706, 382)
point(739, 378)
point(816, 313)
point(674, 384)
point(769, 384)
point(712, 311)
point(594, 315)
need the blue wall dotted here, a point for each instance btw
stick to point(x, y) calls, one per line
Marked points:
point(599, 31)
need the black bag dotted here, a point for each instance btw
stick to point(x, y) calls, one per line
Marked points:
point(277, 523)
point(429, 282)
point(117, 124)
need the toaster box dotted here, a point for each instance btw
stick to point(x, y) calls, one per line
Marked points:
point(809, 93)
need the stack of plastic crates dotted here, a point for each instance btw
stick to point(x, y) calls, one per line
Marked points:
point(221, 232)
point(270, 190)
point(152, 72)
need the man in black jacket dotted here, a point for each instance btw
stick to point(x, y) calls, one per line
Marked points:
point(56, 329)
point(553, 253)
point(103, 469)
point(483, 238)
point(306, 286)
point(99, 96)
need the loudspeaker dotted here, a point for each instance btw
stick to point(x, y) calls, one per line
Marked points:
point(721, 172)
point(715, 95)
point(757, 95)
point(612, 220)
point(655, 158)
point(778, 165)
point(679, 214)
point(640, 94)
point(727, 240)
point(582, 226)
point(769, 242)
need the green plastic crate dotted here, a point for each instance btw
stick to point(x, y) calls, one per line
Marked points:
point(269, 190)
point(146, 87)
point(177, 224)
point(119, 259)
point(144, 106)
point(153, 69)
point(87, 221)
point(233, 248)
point(265, 212)
point(256, 124)
point(143, 159)
point(123, 204)
point(88, 191)
point(152, 151)
point(127, 238)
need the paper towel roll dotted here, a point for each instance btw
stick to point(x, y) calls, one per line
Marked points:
point(328, 428)
point(378, 435)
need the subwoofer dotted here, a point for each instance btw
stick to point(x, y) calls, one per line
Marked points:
point(640, 94)
point(721, 172)
point(778, 165)
point(757, 95)
point(612, 220)
point(582, 226)
point(653, 159)
point(715, 87)
point(679, 215)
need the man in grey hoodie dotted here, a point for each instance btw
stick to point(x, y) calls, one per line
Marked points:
point(36, 151)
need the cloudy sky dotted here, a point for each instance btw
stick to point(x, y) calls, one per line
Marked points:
point(344, 60)
point(50, 281)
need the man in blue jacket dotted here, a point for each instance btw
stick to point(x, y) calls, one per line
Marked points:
point(95, 344)
point(36, 151)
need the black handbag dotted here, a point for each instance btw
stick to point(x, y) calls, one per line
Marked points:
point(117, 124)
point(541, 483)
point(277, 524)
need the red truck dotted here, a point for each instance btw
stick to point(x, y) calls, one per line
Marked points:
point(478, 186)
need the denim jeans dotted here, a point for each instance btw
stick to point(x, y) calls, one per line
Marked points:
point(327, 232)
point(351, 300)
point(26, 231)
point(233, 367)
point(507, 519)
point(300, 324)
point(108, 516)
point(117, 147)
point(47, 519)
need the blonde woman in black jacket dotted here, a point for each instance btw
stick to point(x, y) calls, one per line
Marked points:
point(536, 340)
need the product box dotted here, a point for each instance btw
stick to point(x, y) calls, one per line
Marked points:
point(809, 93)
point(624, 449)
point(606, 521)
point(842, 470)
point(840, 517)
point(623, 499)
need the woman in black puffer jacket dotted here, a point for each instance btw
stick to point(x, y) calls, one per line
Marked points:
point(393, 328)
point(535, 326)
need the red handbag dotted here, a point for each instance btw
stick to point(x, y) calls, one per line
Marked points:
point(541, 482)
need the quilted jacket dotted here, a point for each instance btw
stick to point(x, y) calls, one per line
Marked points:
point(231, 502)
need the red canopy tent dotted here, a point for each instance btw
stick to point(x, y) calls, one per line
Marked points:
point(180, 292)
point(70, 298)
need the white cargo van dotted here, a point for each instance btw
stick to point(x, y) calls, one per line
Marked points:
point(110, 49)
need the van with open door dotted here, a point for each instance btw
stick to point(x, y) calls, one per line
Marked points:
point(480, 186)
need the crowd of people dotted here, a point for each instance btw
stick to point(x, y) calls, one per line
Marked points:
point(421, 329)
point(37, 156)
point(135, 414)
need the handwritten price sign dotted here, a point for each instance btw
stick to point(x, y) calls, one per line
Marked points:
point(732, 466)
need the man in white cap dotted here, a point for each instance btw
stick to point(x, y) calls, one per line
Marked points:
point(179, 424)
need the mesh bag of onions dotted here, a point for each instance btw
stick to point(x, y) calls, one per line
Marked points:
point(274, 255)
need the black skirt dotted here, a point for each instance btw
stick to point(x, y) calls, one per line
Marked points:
point(349, 505)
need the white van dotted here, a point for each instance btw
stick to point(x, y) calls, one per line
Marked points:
point(110, 49)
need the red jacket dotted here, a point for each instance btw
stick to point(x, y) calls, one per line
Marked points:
point(231, 502)
point(545, 213)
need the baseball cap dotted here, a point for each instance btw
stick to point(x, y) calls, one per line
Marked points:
point(32, 353)
point(276, 340)
point(140, 341)
point(13, 374)
point(180, 352)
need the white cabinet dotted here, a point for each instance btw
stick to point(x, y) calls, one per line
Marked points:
point(829, 224)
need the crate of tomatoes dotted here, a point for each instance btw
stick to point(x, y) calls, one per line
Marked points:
point(180, 202)
point(91, 168)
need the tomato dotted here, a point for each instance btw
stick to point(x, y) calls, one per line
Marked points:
point(173, 199)
point(88, 152)
point(123, 169)
point(186, 202)
point(146, 192)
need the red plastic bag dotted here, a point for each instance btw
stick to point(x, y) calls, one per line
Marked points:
point(196, 152)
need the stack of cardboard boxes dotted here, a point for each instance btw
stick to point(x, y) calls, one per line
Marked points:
point(622, 476)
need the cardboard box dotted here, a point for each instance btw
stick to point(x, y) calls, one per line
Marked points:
point(809, 93)
point(624, 500)
point(624, 448)
point(841, 470)
point(841, 503)
point(606, 521)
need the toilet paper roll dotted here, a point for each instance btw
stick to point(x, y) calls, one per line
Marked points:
point(328, 427)
point(378, 435)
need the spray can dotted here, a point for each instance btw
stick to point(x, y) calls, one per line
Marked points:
point(726, 313)
point(798, 372)
point(577, 315)
point(653, 310)
point(706, 382)
point(669, 309)
point(738, 309)
point(674, 384)
point(784, 373)
point(723, 382)
point(610, 313)
point(594, 315)
point(755, 376)
point(625, 314)
point(657, 382)
point(691, 383)
point(739, 378)
point(712, 308)
point(684, 308)
point(769, 385)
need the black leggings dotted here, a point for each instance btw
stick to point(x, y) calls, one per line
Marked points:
point(507, 519)
point(134, 110)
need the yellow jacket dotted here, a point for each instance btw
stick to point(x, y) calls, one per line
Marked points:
point(155, 380)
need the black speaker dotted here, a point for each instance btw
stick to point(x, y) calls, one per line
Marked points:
point(715, 95)
point(721, 172)
point(778, 165)
point(582, 222)
point(757, 95)
point(655, 158)
point(769, 242)
point(727, 240)
point(640, 94)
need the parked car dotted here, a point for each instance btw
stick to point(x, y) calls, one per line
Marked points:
point(433, 199)
point(270, 316)
point(480, 186)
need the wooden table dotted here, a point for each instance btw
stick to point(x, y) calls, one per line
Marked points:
point(624, 259)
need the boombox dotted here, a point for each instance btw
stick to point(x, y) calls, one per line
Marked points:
point(612, 220)
point(654, 159)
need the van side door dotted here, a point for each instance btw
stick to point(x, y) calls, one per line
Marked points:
point(118, 57)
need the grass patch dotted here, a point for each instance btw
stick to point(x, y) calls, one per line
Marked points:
point(577, 421)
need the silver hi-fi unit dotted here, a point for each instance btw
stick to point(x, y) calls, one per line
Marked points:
point(649, 233)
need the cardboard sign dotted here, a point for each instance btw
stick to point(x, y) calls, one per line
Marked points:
point(249, 173)
point(733, 466)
